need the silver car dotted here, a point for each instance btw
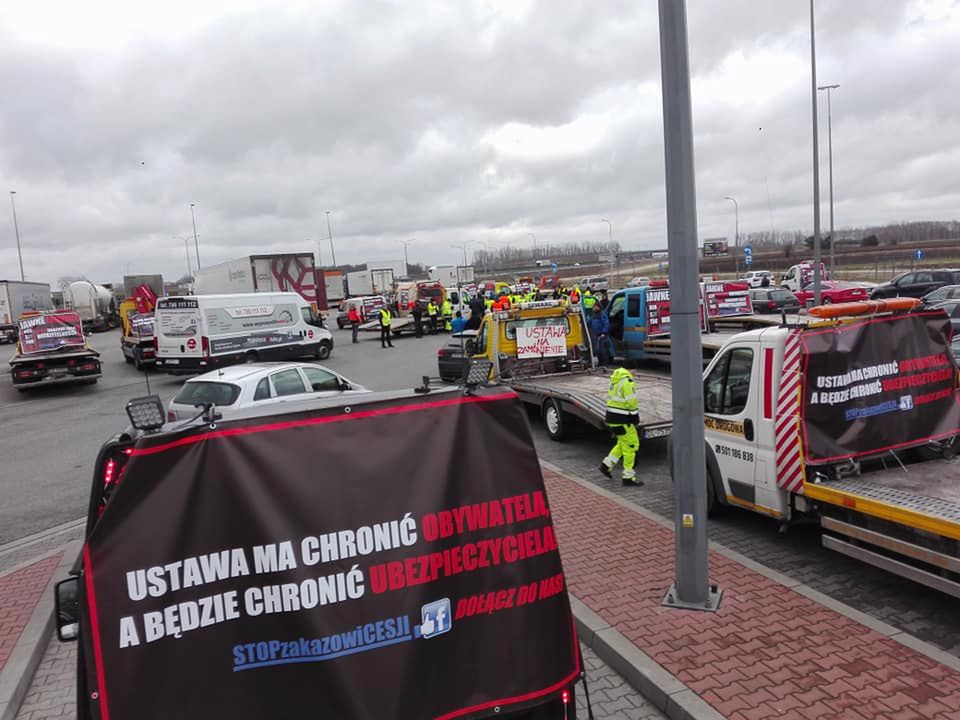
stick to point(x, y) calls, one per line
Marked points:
point(240, 387)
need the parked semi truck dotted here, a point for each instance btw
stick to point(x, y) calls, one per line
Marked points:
point(280, 272)
point(52, 350)
point(16, 298)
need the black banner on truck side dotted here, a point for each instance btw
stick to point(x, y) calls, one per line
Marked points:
point(317, 566)
point(877, 385)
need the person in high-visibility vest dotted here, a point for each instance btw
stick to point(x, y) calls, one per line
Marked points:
point(385, 341)
point(575, 295)
point(447, 312)
point(588, 300)
point(622, 415)
point(432, 312)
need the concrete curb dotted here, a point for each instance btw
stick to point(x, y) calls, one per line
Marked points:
point(641, 672)
point(658, 685)
point(23, 662)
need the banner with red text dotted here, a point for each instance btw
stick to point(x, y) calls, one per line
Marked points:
point(50, 331)
point(539, 341)
point(876, 385)
point(231, 575)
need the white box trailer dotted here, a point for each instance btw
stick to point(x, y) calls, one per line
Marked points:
point(202, 332)
point(333, 282)
point(280, 272)
point(359, 283)
point(19, 297)
point(399, 267)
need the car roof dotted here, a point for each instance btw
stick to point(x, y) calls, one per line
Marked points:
point(238, 373)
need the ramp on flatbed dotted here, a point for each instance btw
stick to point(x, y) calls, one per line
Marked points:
point(585, 395)
point(924, 494)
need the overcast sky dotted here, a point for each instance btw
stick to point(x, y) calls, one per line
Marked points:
point(449, 122)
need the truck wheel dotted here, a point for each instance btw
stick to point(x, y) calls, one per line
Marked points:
point(713, 504)
point(127, 358)
point(250, 357)
point(323, 351)
point(554, 420)
point(138, 359)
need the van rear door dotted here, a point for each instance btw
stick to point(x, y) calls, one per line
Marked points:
point(177, 329)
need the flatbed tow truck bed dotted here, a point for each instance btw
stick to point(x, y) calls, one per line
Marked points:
point(584, 395)
point(912, 510)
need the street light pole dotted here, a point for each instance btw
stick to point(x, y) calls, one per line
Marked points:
point(406, 262)
point(736, 234)
point(534, 244)
point(186, 249)
point(464, 249)
point(196, 243)
point(333, 254)
point(610, 224)
point(16, 231)
point(833, 242)
point(691, 587)
point(817, 254)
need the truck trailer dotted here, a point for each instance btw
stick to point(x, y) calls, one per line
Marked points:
point(280, 272)
point(16, 298)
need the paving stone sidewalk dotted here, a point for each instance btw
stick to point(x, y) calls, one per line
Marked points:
point(20, 590)
point(768, 652)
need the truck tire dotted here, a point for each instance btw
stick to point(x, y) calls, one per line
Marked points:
point(127, 358)
point(250, 357)
point(323, 351)
point(138, 359)
point(555, 421)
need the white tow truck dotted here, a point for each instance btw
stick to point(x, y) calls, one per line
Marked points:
point(854, 422)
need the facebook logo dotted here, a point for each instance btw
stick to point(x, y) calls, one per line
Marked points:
point(435, 618)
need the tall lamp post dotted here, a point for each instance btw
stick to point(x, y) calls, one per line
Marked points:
point(196, 244)
point(736, 233)
point(464, 249)
point(186, 249)
point(333, 254)
point(406, 262)
point(828, 88)
point(16, 230)
point(691, 588)
point(533, 235)
point(817, 255)
point(610, 225)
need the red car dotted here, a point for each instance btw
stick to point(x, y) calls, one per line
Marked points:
point(833, 291)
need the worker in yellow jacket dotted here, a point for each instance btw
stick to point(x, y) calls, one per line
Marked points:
point(623, 413)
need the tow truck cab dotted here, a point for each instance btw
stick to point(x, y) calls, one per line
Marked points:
point(497, 337)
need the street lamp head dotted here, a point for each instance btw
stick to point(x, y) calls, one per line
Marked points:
point(827, 87)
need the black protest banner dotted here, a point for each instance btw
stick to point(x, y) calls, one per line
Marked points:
point(878, 385)
point(390, 560)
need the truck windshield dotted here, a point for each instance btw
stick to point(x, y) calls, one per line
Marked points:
point(200, 393)
point(536, 322)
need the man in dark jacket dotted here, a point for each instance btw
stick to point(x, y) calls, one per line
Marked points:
point(477, 308)
point(600, 335)
point(416, 310)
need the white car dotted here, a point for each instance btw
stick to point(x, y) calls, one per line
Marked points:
point(755, 277)
point(239, 387)
point(639, 282)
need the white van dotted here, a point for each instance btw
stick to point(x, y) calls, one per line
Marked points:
point(202, 332)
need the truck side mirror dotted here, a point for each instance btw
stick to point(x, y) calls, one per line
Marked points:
point(67, 600)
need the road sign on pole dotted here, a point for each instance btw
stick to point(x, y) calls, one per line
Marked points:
point(748, 250)
point(918, 254)
point(748, 260)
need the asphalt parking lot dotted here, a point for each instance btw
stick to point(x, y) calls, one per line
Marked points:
point(51, 437)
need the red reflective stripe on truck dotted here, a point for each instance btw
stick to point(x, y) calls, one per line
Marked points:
point(768, 384)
